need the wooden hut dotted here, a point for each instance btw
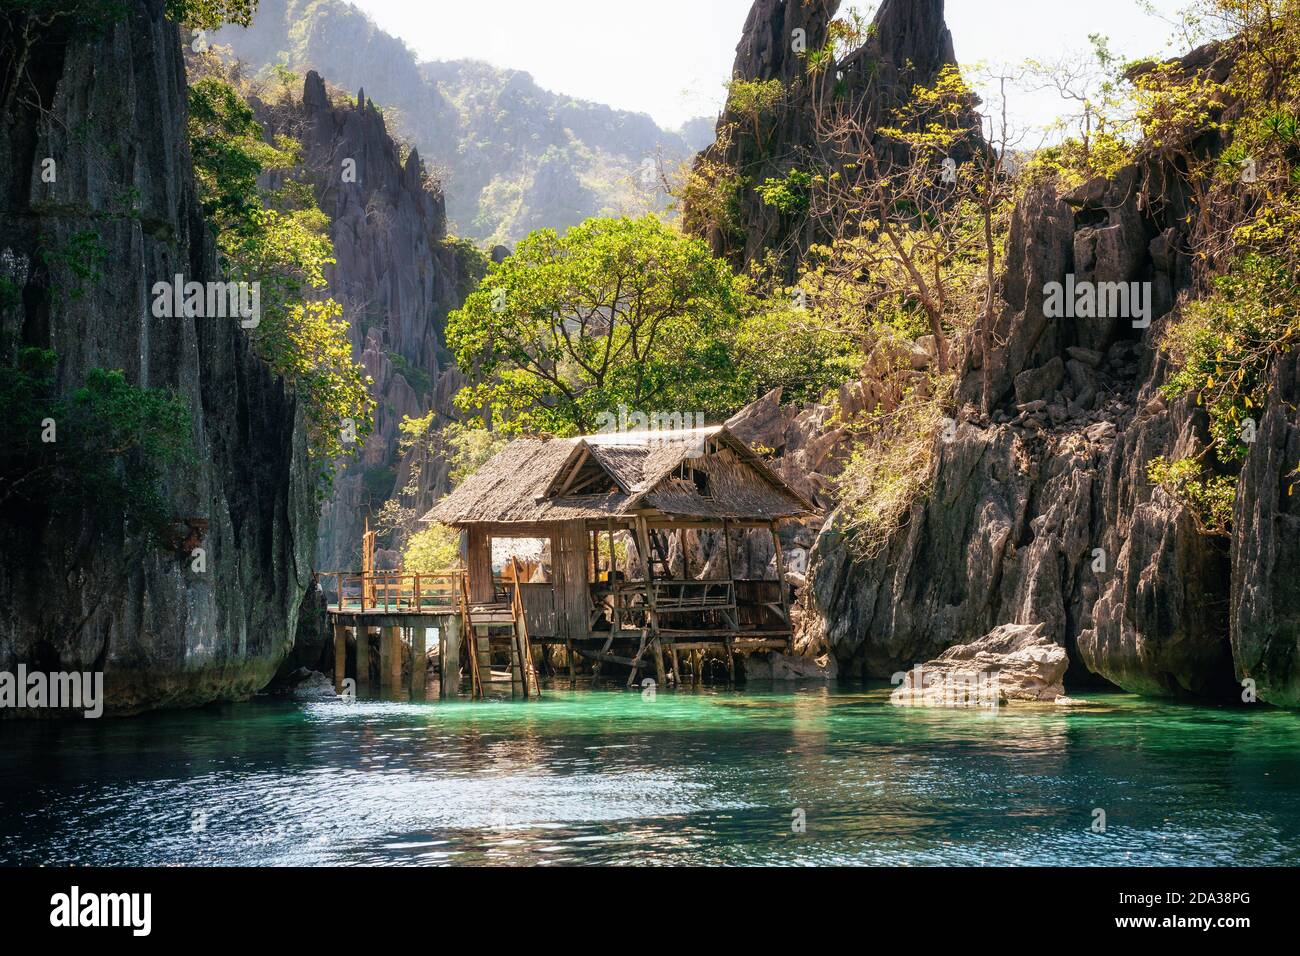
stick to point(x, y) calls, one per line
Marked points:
point(594, 495)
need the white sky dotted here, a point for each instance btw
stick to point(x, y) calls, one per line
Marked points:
point(670, 58)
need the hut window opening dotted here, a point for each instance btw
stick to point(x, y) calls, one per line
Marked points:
point(692, 475)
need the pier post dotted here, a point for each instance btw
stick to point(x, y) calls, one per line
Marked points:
point(363, 658)
point(657, 652)
point(390, 659)
point(516, 667)
point(484, 655)
point(697, 659)
point(449, 661)
point(340, 656)
point(419, 662)
point(677, 665)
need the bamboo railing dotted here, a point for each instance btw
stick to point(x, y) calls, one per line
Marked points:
point(396, 592)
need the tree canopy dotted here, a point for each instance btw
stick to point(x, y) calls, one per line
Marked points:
point(614, 312)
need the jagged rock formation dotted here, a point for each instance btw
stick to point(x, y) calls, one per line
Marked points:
point(515, 156)
point(1040, 511)
point(397, 278)
point(908, 44)
point(1265, 610)
point(79, 592)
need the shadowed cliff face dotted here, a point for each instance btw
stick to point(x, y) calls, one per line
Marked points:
point(396, 279)
point(1040, 509)
point(79, 592)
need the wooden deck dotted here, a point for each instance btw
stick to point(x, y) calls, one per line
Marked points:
point(661, 624)
point(751, 612)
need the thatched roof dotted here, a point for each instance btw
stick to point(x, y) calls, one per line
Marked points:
point(529, 480)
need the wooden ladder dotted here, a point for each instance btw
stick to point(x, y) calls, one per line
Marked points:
point(469, 640)
point(523, 648)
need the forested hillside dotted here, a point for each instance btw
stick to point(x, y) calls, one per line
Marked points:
point(512, 156)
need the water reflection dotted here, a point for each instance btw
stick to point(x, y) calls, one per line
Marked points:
point(693, 776)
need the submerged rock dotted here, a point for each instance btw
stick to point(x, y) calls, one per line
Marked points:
point(778, 666)
point(304, 684)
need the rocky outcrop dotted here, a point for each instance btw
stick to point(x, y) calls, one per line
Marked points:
point(907, 45)
point(396, 277)
point(1013, 662)
point(1040, 512)
point(1266, 547)
point(80, 590)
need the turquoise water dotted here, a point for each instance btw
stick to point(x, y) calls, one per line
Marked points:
point(607, 776)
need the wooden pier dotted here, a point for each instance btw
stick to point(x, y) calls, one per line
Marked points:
point(401, 608)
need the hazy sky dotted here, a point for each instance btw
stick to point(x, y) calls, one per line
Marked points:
point(670, 58)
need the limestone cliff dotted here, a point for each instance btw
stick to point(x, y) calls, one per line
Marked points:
point(395, 275)
point(80, 592)
point(1040, 510)
point(907, 44)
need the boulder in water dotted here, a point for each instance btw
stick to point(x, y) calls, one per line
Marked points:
point(1013, 662)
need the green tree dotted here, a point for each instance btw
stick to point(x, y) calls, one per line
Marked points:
point(614, 312)
point(1241, 239)
point(432, 549)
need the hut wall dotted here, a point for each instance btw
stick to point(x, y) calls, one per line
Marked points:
point(569, 562)
point(478, 559)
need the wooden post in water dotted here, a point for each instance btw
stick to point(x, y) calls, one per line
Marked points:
point(390, 659)
point(484, 646)
point(363, 658)
point(677, 665)
point(516, 668)
point(340, 656)
point(449, 662)
point(419, 662)
point(696, 660)
point(657, 651)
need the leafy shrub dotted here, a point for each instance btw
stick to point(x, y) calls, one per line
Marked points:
point(112, 445)
point(889, 469)
point(788, 194)
point(434, 548)
point(1208, 498)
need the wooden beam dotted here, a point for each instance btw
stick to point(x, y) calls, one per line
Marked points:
point(780, 577)
point(478, 564)
point(449, 657)
point(643, 545)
